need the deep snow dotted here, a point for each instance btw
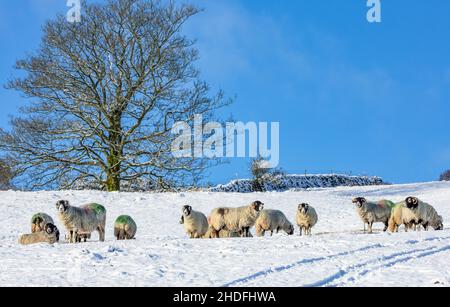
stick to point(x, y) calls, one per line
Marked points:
point(337, 254)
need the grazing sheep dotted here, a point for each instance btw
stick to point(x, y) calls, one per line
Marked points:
point(125, 228)
point(273, 220)
point(306, 218)
point(426, 215)
point(401, 215)
point(82, 220)
point(235, 219)
point(49, 235)
point(371, 213)
point(195, 223)
point(39, 220)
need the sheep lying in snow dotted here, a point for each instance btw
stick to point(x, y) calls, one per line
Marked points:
point(306, 218)
point(82, 220)
point(371, 213)
point(195, 223)
point(235, 219)
point(39, 220)
point(125, 228)
point(401, 215)
point(50, 235)
point(273, 220)
point(426, 215)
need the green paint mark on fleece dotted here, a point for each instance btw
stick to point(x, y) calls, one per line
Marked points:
point(98, 209)
point(34, 218)
point(387, 203)
point(124, 219)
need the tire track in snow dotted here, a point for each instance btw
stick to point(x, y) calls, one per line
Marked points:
point(363, 268)
point(267, 272)
point(338, 275)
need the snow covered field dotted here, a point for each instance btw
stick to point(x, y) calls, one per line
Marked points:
point(337, 254)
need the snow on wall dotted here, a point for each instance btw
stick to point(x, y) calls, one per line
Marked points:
point(298, 182)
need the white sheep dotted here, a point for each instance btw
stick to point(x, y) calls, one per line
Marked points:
point(125, 228)
point(273, 220)
point(371, 213)
point(82, 220)
point(195, 223)
point(50, 235)
point(238, 220)
point(401, 215)
point(426, 215)
point(306, 218)
point(39, 220)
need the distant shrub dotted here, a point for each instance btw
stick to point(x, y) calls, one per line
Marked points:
point(445, 176)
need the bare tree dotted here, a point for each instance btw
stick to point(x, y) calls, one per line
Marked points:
point(5, 176)
point(105, 94)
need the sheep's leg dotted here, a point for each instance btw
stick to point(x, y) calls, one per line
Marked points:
point(365, 227)
point(101, 233)
point(300, 231)
point(370, 227)
point(74, 236)
point(386, 226)
point(271, 233)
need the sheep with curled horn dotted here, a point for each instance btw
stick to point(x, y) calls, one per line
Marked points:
point(82, 220)
point(49, 234)
point(195, 223)
point(402, 215)
point(427, 215)
point(306, 218)
point(238, 220)
point(374, 212)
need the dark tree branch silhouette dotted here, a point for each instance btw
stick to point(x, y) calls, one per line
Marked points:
point(105, 94)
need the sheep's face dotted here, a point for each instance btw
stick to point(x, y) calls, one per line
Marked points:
point(187, 211)
point(182, 220)
point(291, 230)
point(258, 206)
point(412, 203)
point(440, 224)
point(303, 208)
point(359, 201)
point(62, 206)
point(50, 228)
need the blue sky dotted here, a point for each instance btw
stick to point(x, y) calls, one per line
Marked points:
point(350, 96)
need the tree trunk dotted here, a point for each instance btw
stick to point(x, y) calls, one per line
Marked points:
point(115, 154)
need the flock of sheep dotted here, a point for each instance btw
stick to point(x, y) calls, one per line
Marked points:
point(237, 222)
point(80, 222)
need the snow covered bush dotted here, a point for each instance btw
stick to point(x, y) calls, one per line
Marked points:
point(445, 176)
point(281, 183)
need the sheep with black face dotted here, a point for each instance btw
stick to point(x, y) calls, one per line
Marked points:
point(306, 218)
point(371, 212)
point(82, 220)
point(427, 216)
point(195, 223)
point(49, 234)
